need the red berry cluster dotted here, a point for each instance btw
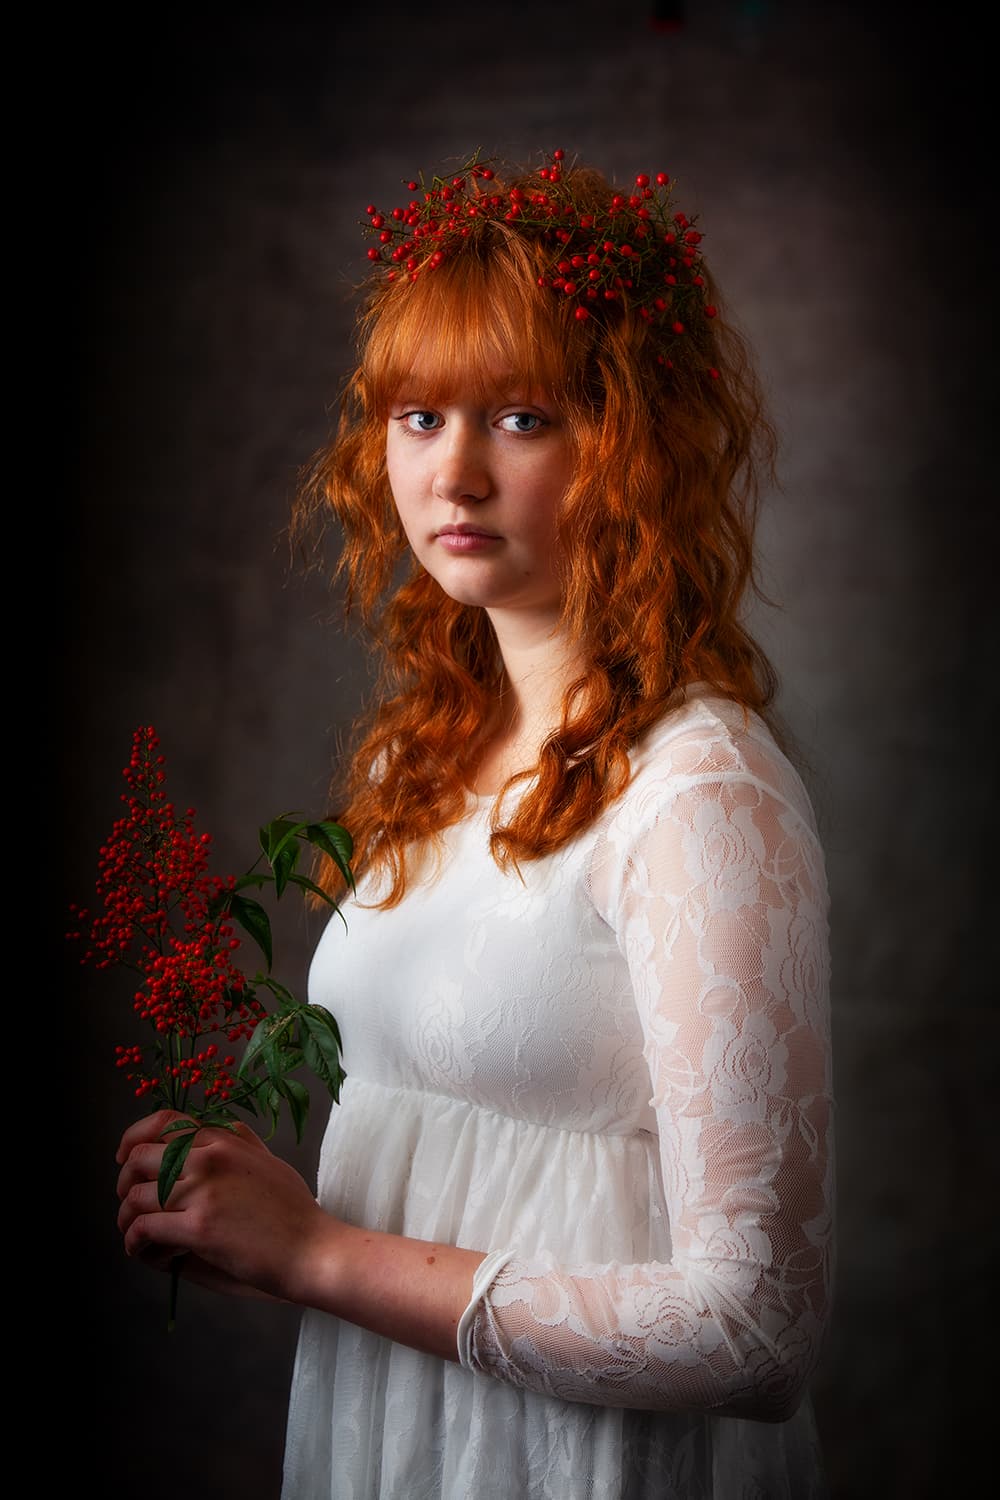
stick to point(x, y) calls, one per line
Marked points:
point(637, 252)
point(164, 916)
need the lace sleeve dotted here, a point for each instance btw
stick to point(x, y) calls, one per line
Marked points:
point(720, 908)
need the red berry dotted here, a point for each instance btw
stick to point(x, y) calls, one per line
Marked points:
point(581, 313)
point(642, 180)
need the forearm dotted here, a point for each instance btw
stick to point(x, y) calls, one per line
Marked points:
point(411, 1291)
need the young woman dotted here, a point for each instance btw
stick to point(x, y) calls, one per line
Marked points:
point(573, 1228)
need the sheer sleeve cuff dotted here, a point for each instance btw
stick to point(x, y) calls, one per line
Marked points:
point(485, 1275)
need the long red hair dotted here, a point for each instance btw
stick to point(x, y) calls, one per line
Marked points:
point(656, 534)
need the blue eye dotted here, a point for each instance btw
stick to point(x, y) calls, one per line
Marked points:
point(422, 421)
point(521, 421)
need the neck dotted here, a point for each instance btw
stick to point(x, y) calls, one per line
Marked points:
point(539, 665)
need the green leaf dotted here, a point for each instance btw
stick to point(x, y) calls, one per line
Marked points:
point(285, 996)
point(264, 1060)
point(278, 834)
point(272, 1102)
point(254, 1046)
point(298, 1103)
point(317, 890)
point(321, 1047)
point(254, 919)
point(321, 1013)
point(272, 832)
point(284, 862)
point(257, 878)
point(174, 1157)
point(335, 841)
point(271, 1047)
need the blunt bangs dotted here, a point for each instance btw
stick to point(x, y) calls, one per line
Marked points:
point(477, 325)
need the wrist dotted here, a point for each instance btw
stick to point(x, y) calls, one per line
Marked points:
point(316, 1273)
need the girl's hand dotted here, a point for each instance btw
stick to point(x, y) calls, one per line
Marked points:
point(243, 1219)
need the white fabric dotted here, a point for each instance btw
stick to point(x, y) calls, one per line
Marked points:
point(613, 1075)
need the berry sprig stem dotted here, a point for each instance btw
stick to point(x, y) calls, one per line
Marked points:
point(166, 919)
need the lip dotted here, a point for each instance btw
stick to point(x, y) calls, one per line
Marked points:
point(466, 530)
point(465, 538)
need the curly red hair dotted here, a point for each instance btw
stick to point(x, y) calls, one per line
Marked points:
point(656, 534)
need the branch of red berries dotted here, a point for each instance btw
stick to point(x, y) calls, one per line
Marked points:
point(163, 916)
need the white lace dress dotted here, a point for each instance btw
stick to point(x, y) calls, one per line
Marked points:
point(614, 1077)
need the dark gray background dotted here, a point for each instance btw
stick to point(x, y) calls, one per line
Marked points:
point(204, 205)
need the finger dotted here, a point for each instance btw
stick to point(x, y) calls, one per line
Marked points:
point(235, 1130)
point(151, 1234)
point(150, 1128)
point(214, 1147)
point(143, 1165)
point(141, 1199)
point(156, 1256)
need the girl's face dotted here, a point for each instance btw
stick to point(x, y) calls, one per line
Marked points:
point(478, 483)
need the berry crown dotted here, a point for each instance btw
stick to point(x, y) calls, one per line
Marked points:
point(637, 251)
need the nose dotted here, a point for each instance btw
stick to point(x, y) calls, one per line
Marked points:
point(462, 475)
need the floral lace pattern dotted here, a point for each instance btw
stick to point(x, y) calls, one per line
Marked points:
point(713, 881)
point(613, 1076)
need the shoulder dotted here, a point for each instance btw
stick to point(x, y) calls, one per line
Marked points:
point(710, 789)
point(708, 747)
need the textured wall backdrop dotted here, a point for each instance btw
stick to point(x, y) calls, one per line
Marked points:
point(217, 175)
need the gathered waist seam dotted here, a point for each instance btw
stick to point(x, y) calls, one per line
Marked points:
point(640, 1136)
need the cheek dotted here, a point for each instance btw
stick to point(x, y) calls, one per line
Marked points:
point(399, 488)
